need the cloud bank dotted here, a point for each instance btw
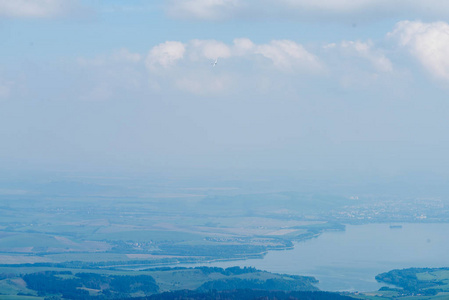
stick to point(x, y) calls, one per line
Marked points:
point(278, 66)
point(285, 55)
point(36, 8)
point(305, 9)
point(189, 66)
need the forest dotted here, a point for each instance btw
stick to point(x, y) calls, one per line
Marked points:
point(108, 284)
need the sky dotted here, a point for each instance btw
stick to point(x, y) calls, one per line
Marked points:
point(331, 86)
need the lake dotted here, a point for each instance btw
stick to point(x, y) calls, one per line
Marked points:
point(349, 260)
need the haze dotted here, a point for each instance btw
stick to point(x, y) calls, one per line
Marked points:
point(129, 86)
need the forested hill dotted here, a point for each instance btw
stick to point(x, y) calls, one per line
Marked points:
point(416, 281)
point(246, 294)
point(113, 284)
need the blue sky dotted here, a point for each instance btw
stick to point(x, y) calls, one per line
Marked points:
point(329, 86)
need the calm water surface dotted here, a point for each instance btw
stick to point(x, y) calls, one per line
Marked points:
point(349, 260)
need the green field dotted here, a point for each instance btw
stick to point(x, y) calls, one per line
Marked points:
point(118, 236)
point(153, 230)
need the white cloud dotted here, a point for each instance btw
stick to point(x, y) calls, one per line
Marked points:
point(35, 8)
point(427, 42)
point(358, 64)
point(243, 64)
point(188, 66)
point(203, 9)
point(288, 55)
point(365, 50)
point(344, 7)
point(209, 49)
point(243, 46)
point(285, 55)
point(306, 9)
point(165, 55)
